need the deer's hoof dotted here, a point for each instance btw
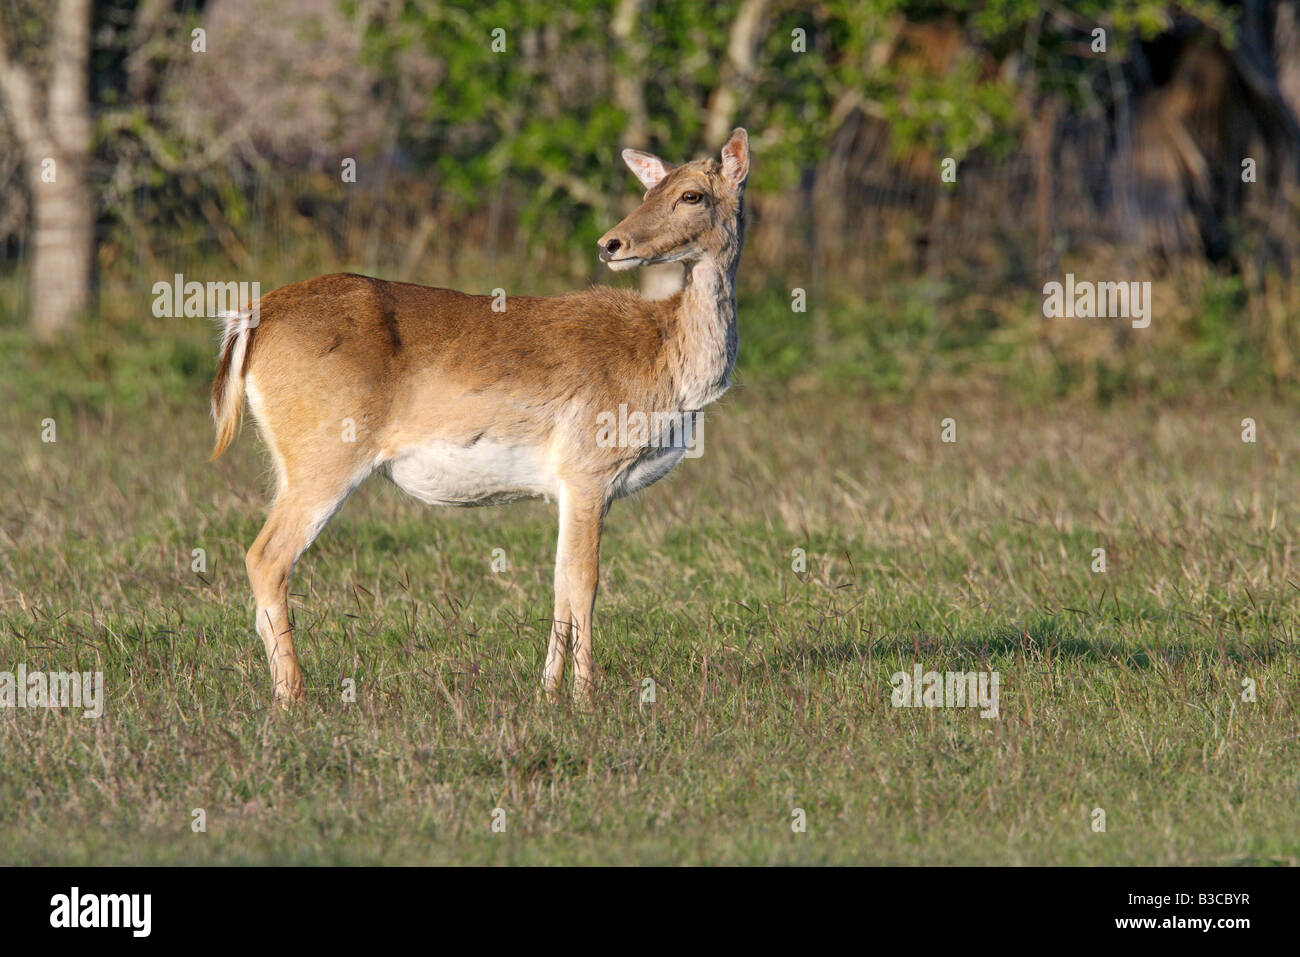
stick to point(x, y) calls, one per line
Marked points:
point(584, 697)
point(287, 696)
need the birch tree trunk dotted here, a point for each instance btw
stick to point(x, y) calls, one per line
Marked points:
point(54, 133)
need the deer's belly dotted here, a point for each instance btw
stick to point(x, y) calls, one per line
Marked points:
point(484, 473)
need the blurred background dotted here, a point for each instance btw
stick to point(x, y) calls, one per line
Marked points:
point(921, 169)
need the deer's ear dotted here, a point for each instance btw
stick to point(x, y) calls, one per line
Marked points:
point(735, 159)
point(649, 169)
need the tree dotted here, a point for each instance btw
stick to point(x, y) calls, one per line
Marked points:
point(54, 132)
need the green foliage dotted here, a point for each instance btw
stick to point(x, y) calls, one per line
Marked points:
point(954, 114)
point(1054, 44)
point(542, 113)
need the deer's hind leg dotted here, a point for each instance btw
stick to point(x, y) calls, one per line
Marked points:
point(302, 507)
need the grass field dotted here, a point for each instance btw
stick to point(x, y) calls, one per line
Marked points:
point(1120, 690)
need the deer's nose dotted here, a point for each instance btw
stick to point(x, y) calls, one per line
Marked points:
point(608, 247)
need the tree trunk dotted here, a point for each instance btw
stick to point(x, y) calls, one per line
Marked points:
point(55, 134)
point(63, 244)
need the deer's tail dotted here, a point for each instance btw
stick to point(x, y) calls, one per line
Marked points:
point(228, 386)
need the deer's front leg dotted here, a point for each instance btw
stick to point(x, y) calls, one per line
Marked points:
point(561, 631)
point(577, 560)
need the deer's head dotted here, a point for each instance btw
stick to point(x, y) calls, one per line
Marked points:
point(689, 211)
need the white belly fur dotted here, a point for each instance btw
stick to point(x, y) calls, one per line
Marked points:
point(490, 473)
point(485, 473)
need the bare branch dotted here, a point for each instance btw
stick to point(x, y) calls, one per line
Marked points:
point(575, 187)
point(628, 92)
point(742, 53)
point(149, 37)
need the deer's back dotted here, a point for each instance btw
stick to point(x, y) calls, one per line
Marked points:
point(381, 329)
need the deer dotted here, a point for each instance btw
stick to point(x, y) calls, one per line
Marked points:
point(460, 404)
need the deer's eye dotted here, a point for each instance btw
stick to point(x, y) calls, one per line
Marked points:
point(691, 197)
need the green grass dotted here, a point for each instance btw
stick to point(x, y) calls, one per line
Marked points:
point(1119, 690)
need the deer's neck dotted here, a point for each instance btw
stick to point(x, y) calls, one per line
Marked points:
point(702, 351)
